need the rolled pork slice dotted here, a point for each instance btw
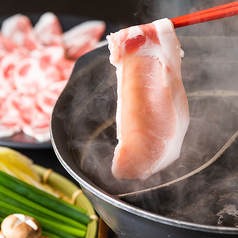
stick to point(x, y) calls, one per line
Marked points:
point(18, 29)
point(48, 30)
point(152, 109)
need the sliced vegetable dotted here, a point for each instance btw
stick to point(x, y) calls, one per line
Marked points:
point(15, 160)
point(48, 225)
point(47, 200)
point(21, 167)
point(48, 234)
point(29, 204)
point(24, 207)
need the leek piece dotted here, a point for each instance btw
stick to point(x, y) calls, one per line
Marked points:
point(47, 224)
point(40, 208)
point(24, 207)
point(43, 198)
point(48, 234)
point(6, 212)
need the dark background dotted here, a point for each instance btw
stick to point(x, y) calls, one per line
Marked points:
point(121, 12)
point(115, 11)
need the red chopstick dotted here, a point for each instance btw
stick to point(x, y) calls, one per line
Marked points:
point(226, 10)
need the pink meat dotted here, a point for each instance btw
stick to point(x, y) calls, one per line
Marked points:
point(9, 115)
point(33, 121)
point(46, 98)
point(83, 38)
point(152, 111)
point(18, 29)
point(37, 124)
point(34, 69)
point(32, 75)
point(7, 66)
point(55, 55)
point(7, 45)
point(65, 66)
point(48, 30)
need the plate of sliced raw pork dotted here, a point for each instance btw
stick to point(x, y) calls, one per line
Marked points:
point(37, 55)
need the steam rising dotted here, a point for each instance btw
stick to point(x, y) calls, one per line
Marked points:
point(209, 72)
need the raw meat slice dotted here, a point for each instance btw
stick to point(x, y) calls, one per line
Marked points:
point(48, 30)
point(47, 98)
point(8, 130)
point(32, 75)
point(38, 126)
point(51, 55)
point(31, 114)
point(83, 38)
point(7, 66)
point(41, 134)
point(6, 46)
point(65, 66)
point(10, 120)
point(55, 55)
point(152, 111)
point(18, 29)
point(5, 89)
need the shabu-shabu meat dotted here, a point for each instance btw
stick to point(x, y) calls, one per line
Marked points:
point(152, 111)
point(35, 65)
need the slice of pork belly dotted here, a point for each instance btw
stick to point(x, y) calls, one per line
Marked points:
point(152, 108)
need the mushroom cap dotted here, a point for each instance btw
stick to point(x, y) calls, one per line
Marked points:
point(20, 226)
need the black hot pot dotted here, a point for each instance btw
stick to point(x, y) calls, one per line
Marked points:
point(194, 197)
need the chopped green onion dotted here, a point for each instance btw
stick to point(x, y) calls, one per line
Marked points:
point(24, 207)
point(43, 198)
point(47, 224)
point(38, 207)
point(48, 234)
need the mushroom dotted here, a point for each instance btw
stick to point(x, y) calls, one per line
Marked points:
point(20, 226)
